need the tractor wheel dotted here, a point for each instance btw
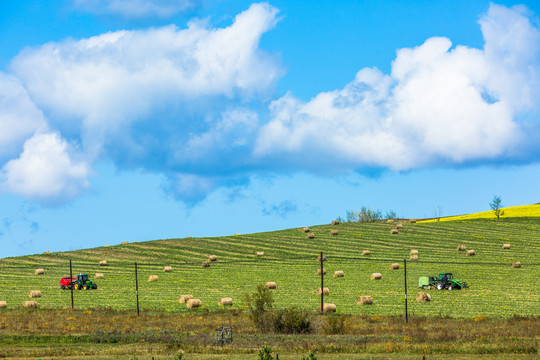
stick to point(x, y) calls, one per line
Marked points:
point(85, 287)
point(440, 286)
point(450, 287)
point(94, 287)
point(76, 287)
point(62, 287)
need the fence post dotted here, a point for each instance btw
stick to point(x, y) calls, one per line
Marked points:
point(137, 289)
point(322, 284)
point(405, 272)
point(71, 284)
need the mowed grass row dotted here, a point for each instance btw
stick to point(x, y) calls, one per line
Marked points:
point(290, 261)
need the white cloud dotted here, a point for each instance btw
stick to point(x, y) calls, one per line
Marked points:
point(136, 8)
point(45, 171)
point(19, 117)
point(439, 106)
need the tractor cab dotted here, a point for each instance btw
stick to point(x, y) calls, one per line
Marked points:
point(445, 277)
point(82, 278)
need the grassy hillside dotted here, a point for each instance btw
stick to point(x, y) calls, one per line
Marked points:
point(496, 289)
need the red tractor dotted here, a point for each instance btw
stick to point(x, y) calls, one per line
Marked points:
point(77, 283)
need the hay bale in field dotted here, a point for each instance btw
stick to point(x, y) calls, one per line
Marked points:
point(260, 253)
point(399, 226)
point(205, 264)
point(412, 221)
point(306, 229)
point(193, 303)
point(461, 248)
point(167, 268)
point(310, 235)
point(125, 242)
point(103, 263)
point(3, 304)
point(319, 258)
point(366, 252)
point(414, 252)
point(516, 264)
point(35, 294)
point(270, 285)
point(413, 257)
point(212, 258)
point(335, 222)
point(390, 221)
point(364, 300)
point(334, 232)
point(153, 278)
point(376, 276)
point(471, 253)
point(394, 231)
point(319, 271)
point(325, 291)
point(39, 272)
point(506, 246)
point(394, 266)
point(422, 296)
point(47, 252)
point(30, 305)
point(237, 234)
point(329, 308)
point(99, 276)
point(184, 298)
point(106, 245)
point(339, 273)
point(227, 301)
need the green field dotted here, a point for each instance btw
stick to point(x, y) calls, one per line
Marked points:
point(496, 289)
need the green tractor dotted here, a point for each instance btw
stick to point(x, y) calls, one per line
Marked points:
point(444, 281)
point(78, 283)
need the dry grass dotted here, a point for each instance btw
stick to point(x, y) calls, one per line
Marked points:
point(193, 303)
point(422, 296)
point(364, 300)
point(325, 291)
point(227, 301)
point(376, 276)
point(184, 298)
point(394, 266)
point(329, 308)
point(270, 285)
point(153, 278)
point(39, 272)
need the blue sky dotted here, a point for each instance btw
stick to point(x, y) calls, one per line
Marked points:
point(134, 120)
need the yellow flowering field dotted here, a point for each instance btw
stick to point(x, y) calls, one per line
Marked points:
point(508, 212)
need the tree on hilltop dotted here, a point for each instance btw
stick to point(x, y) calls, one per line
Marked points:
point(496, 205)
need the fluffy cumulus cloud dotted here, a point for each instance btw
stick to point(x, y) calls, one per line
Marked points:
point(136, 8)
point(441, 105)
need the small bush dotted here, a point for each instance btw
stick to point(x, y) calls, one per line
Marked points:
point(310, 356)
point(334, 325)
point(260, 305)
point(265, 353)
point(291, 321)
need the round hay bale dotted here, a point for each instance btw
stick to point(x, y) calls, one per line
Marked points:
point(334, 232)
point(339, 273)
point(319, 258)
point(329, 308)
point(103, 263)
point(394, 266)
point(153, 278)
point(310, 235)
point(412, 221)
point(184, 298)
point(399, 226)
point(516, 264)
point(99, 276)
point(30, 305)
point(413, 257)
point(376, 276)
point(205, 264)
point(390, 221)
point(414, 252)
point(319, 271)
point(422, 296)
point(306, 229)
point(227, 301)
point(366, 252)
point(260, 253)
point(3, 304)
point(471, 253)
point(394, 231)
point(106, 245)
point(39, 271)
point(506, 246)
point(461, 248)
point(325, 291)
point(35, 294)
point(167, 268)
point(270, 285)
point(47, 252)
point(125, 242)
point(193, 303)
point(364, 300)
point(335, 222)
point(212, 258)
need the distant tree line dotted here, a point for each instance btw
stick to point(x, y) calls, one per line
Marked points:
point(367, 214)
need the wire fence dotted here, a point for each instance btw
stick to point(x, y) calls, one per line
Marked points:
point(495, 288)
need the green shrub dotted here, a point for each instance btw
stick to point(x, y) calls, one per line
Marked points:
point(310, 356)
point(265, 353)
point(260, 306)
point(335, 324)
point(291, 321)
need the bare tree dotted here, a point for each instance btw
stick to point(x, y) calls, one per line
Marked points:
point(496, 205)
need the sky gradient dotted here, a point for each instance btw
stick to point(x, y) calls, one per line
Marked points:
point(147, 119)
